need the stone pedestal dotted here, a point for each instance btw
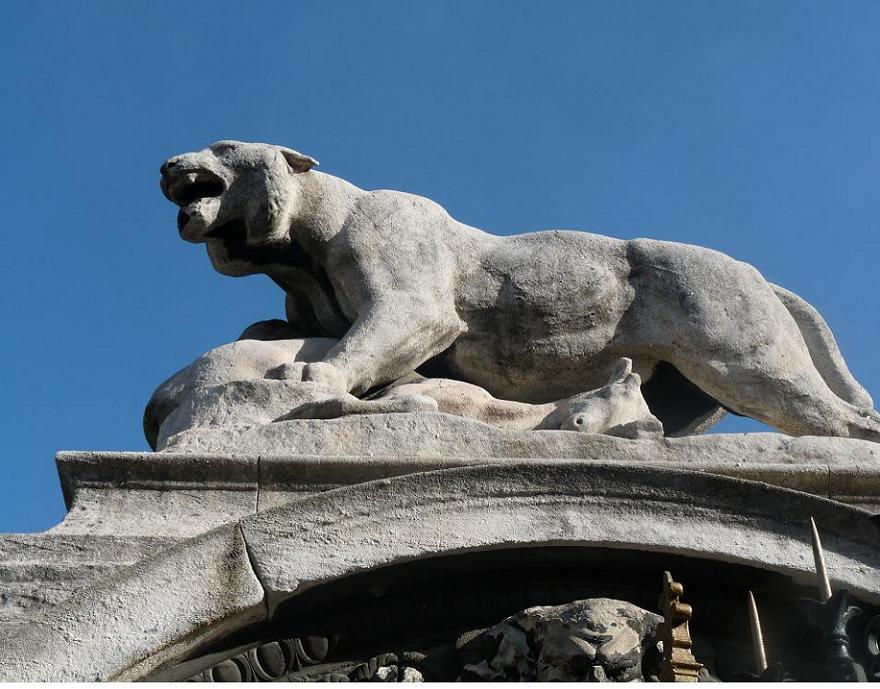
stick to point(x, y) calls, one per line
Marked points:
point(167, 562)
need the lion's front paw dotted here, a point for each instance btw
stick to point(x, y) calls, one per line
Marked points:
point(292, 371)
point(326, 375)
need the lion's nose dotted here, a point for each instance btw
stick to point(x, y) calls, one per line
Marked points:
point(169, 165)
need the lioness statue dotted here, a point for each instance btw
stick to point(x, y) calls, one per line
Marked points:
point(530, 317)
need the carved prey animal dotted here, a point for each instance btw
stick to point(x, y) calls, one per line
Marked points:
point(255, 382)
point(532, 317)
point(617, 408)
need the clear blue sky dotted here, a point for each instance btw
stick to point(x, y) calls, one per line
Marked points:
point(749, 127)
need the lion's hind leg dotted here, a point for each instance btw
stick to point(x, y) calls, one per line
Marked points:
point(727, 331)
point(796, 402)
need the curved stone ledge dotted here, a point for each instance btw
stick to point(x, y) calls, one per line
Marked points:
point(158, 610)
point(558, 503)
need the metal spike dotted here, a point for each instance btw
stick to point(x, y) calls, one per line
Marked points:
point(757, 636)
point(819, 557)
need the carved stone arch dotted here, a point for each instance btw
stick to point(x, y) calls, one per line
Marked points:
point(540, 503)
point(177, 604)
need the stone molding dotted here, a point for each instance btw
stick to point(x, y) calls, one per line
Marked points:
point(158, 610)
point(181, 494)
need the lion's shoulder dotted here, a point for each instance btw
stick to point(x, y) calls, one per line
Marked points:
point(391, 211)
point(400, 201)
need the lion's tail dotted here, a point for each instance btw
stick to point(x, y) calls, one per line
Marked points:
point(823, 350)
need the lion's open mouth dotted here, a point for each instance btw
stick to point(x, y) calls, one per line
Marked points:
point(189, 188)
point(201, 188)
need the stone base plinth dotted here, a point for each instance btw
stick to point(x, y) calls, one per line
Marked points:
point(193, 486)
point(273, 524)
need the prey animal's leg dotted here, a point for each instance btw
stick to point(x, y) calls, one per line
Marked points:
point(348, 405)
point(473, 402)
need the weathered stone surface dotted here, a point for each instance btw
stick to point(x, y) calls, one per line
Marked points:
point(239, 383)
point(125, 626)
point(564, 503)
point(174, 513)
point(585, 640)
point(856, 484)
point(44, 569)
point(443, 435)
point(531, 318)
point(111, 493)
point(117, 500)
point(254, 382)
point(139, 618)
point(181, 494)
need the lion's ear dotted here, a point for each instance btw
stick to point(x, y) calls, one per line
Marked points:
point(297, 161)
point(622, 369)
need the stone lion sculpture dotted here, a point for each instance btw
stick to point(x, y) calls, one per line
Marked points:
point(530, 317)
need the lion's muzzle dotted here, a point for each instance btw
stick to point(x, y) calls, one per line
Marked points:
point(196, 189)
